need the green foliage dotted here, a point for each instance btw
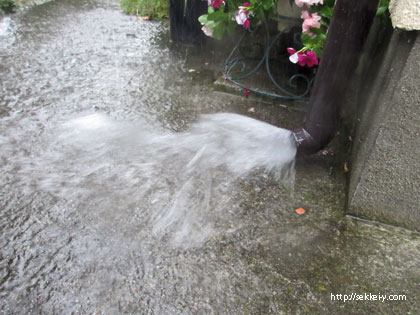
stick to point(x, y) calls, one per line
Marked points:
point(222, 20)
point(219, 21)
point(325, 11)
point(267, 4)
point(383, 8)
point(155, 9)
point(316, 43)
point(8, 6)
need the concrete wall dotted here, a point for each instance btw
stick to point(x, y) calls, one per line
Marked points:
point(286, 9)
point(405, 14)
point(385, 173)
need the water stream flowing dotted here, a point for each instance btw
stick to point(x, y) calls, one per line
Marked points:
point(104, 207)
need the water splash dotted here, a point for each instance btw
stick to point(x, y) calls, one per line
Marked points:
point(178, 185)
point(4, 26)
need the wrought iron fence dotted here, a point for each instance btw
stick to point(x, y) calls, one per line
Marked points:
point(239, 66)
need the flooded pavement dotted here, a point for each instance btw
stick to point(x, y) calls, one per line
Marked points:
point(96, 220)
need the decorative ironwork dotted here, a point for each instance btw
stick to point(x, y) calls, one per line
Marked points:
point(235, 69)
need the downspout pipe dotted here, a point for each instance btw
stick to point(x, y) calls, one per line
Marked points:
point(183, 20)
point(347, 34)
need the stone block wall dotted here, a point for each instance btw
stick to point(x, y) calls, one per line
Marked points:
point(385, 174)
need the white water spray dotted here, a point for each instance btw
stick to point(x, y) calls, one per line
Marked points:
point(178, 185)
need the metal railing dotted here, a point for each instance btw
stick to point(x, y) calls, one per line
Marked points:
point(236, 70)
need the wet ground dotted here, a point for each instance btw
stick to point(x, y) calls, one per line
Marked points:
point(77, 234)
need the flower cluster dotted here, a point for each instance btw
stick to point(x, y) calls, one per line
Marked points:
point(224, 16)
point(314, 31)
point(215, 3)
point(310, 21)
point(304, 58)
point(242, 15)
point(308, 3)
point(316, 19)
point(207, 31)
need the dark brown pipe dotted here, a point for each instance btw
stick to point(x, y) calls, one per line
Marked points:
point(183, 20)
point(347, 34)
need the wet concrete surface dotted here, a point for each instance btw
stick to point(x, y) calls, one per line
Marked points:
point(61, 254)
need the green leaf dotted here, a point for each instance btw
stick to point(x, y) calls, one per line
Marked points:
point(306, 38)
point(219, 15)
point(329, 3)
point(267, 4)
point(326, 12)
point(318, 51)
point(383, 7)
point(324, 22)
point(381, 11)
point(316, 30)
point(231, 26)
point(211, 24)
point(260, 14)
point(203, 19)
point(218, 31)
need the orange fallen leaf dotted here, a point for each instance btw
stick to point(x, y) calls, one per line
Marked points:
point(300, 211)
point(346, 168)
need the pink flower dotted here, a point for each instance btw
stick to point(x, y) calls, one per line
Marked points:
point(215, 3)
point(207, 30)
point(246, 93)
point(308, 58)
point(241, 16)
point(308, 3)
point(310, 20)
point(293, 55)
point(301, 3)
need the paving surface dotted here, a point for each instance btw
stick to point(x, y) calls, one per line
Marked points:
point(92, 250)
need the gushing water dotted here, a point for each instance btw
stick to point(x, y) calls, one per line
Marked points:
point(103, 209)
point(182, 183)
